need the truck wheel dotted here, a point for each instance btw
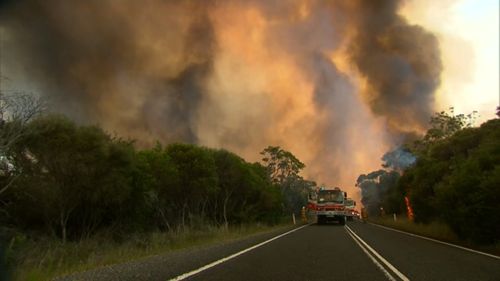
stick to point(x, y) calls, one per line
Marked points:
point(342, 221)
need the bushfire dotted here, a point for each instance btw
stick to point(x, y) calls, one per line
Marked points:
point(336, 82)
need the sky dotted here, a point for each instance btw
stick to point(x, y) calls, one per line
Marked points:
point(337, 83)
point(468, 31)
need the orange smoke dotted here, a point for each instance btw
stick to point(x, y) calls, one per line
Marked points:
point(240, 75)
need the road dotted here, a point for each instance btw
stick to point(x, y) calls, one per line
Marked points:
point(330, 252)
point(357, 251)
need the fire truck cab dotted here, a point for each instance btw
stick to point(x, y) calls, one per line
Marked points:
point(328, 205)
point(350, 209)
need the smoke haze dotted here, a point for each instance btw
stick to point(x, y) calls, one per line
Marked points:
point(336, 82)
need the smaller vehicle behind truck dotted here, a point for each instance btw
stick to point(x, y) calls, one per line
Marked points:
point(328, 205)
point(350, 209)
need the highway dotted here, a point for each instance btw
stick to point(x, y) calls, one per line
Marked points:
point(357, 251)
point(332, 252)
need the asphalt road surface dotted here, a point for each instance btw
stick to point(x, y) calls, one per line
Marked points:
point(357, 251)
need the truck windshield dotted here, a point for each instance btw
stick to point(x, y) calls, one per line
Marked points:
point(335, 196)
point(349, 203)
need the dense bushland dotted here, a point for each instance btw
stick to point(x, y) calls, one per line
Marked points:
point(68, 181)
point(455, 179)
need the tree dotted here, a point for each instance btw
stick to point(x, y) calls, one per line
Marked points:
point(457, 181)
point(281, 164)
point(295, 193)
point(468, 195)
point(443, 125)
point(283, 169)
point(16, 111)
point(160, 179)
point(375, 187)
point(379, 189)
point(230, 171)
point(74, 179)
point(267, 201)
point(197, 179)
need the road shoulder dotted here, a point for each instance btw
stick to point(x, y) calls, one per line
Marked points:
point(173, 263)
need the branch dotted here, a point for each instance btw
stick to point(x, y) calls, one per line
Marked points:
point(9, 184)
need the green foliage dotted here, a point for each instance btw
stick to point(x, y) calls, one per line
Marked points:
point(457, 180)
point(281, 164)
point(241, 186)
point(472, 187)
point(74, 178)
point(379, 190)
point(197, 179)
point(283, 169)
point(444, 126)
point(295, 193)
point(74, 181)
point(157, 180)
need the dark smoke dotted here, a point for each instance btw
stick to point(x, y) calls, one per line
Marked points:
point(235, 74)
point(398, 159)
point(87, 53)
point(400, 61)
point(181, 95)
point(338, 109)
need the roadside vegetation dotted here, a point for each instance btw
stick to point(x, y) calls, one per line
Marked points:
point(47, 258)
point(449, 179)
point(435, 229)
point(65, 186)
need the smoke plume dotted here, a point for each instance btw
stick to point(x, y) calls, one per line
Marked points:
point(374, 186)
point(398, 159)
point(336, 82)
point(400, 62)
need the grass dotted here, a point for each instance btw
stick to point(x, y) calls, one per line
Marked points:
point(47, 258)
point(436, 230)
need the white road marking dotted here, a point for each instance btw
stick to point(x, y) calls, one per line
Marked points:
point(388, 264)
point(374, 260)
point(437, 241)
point(205, 267)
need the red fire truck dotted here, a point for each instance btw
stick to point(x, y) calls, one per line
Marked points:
point(327, 205)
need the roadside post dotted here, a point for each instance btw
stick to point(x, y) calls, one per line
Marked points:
point(293, 218)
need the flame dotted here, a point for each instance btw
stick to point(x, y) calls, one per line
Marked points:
point(409, 209)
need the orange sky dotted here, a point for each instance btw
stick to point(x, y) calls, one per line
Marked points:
point(243, 75)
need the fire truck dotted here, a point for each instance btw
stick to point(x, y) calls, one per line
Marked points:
point(350, 209)
point(327, 205)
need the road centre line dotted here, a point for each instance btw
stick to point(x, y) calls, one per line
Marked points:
point(382, 259)
point(437, 241)
point(374, 260)
point(217, 262)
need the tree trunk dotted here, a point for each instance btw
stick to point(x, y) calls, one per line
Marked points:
point(164, 218)
point(63, 221)
point(184, 216)
point(9, 184)
point(224, 208)
point(203, 206)
point(216, 219)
